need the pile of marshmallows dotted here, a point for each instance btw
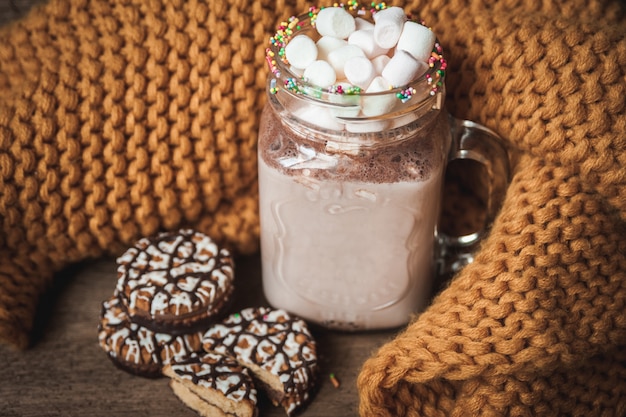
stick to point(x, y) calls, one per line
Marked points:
point(358, 51)
point(354, 52)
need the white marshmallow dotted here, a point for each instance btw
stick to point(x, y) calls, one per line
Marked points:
point(320, 73)
point(348, 105)
point(319, 116)
point(361, 24)
point(377, 105)
point(301, 51)
point(326, 44)
point(335, 22)
point(403, 68)
point(359, 71)
point(338, 58)
point(364, 39)
point(393, 13)
point(417, 40)
point(296, 71)
point(388, 27)
point(378, 84)
point(379, 63)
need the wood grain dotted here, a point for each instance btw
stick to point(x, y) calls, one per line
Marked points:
point(66, 373)
point(14, 9)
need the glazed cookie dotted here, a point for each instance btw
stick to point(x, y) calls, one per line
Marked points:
point(213, 385)
point(137, 349)
point(277, 348)
point(175, 281)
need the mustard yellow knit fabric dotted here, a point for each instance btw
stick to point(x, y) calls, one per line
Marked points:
point(536, 326)
point(119, 118)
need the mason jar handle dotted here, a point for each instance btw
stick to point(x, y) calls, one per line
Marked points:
point(475, 142)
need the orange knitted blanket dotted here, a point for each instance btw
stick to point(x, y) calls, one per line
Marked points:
point(122, 117)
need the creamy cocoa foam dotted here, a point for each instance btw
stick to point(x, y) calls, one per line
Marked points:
point(412, 159)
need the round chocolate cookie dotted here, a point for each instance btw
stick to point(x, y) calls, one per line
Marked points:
point(137, 349)
point(213, 385)
point(175, 281)
point(278, 349)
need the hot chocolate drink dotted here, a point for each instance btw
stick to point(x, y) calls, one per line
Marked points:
point(348, 236)
point(353, 146)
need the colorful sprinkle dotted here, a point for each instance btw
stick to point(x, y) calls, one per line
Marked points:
point(292, 85)
point(349, 90)
point(273, 88)
point(406, 94)
point(285, 31)
point(376, 7)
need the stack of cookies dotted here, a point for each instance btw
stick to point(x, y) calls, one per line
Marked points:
point(169, 290)
point(164, 319)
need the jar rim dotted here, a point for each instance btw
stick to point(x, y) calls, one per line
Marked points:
point(427, 84)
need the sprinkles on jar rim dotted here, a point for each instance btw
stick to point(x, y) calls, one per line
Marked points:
point(286, 30)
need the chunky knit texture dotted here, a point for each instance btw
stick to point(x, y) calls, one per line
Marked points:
point(536, 326)
point(122, 117)
point(118, 119)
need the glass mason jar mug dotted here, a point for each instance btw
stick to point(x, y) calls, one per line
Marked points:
point(350, 190)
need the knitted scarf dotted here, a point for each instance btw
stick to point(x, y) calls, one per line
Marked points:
point(119, 118)
point(536, 326)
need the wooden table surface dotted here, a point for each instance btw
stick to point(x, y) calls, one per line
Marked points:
point(65, 372)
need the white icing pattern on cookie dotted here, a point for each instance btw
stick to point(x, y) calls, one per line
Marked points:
point(270, 341)
point(174, 275)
